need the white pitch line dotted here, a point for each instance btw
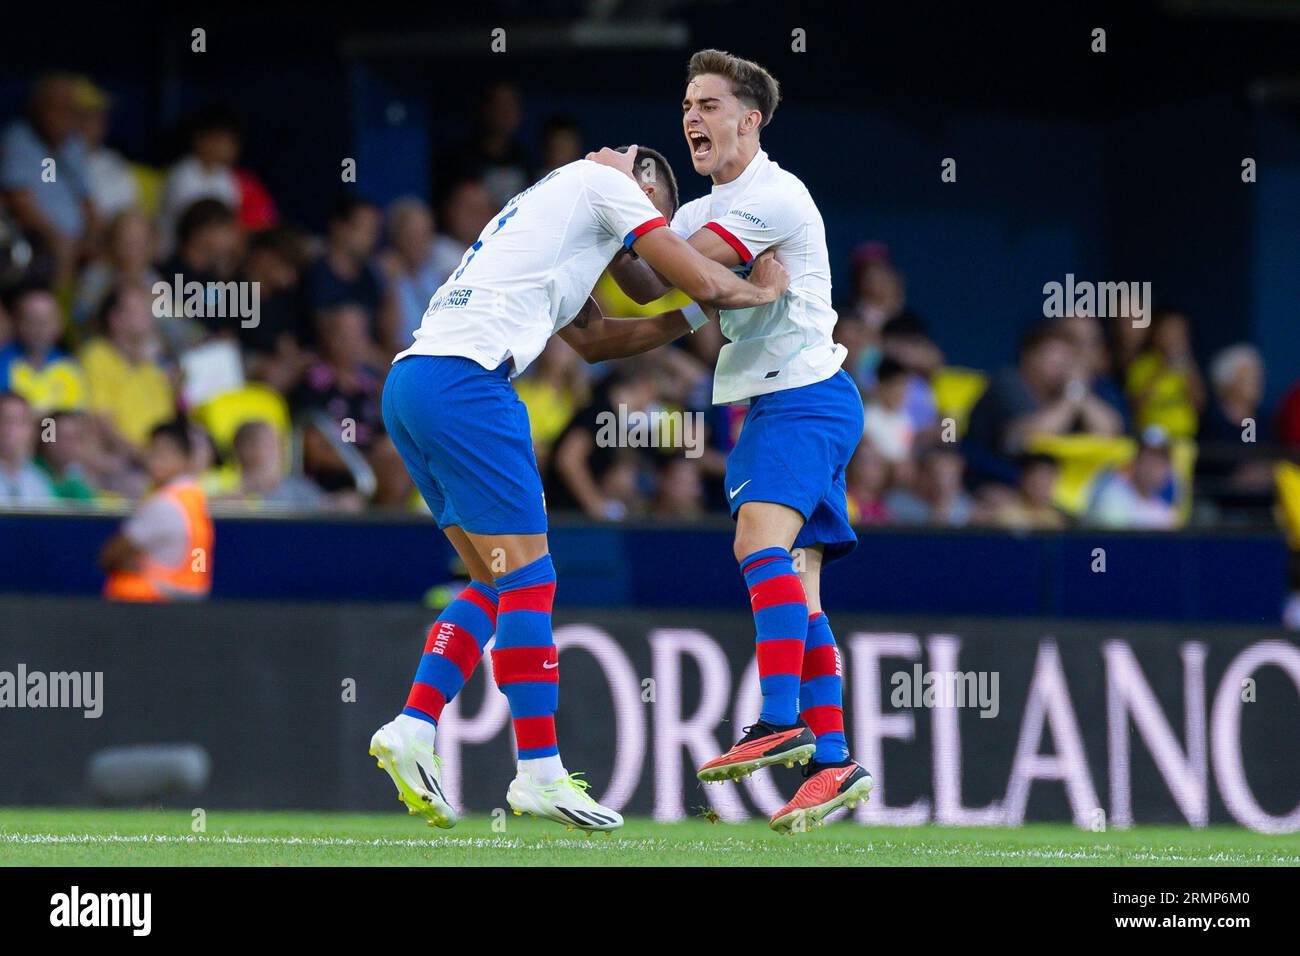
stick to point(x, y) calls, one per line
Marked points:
point(106, 839)
point(1101, 853)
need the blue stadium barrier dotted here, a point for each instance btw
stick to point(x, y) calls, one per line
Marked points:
point(1228, 577)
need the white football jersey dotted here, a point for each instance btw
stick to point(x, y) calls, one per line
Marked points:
point(786, 343)
point(534, 265)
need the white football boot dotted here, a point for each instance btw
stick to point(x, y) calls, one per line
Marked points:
point(416, 771)
point(564, 801)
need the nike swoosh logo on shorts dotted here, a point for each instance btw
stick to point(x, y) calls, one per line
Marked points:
point(735, 491)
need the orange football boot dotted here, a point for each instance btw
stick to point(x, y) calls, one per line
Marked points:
point(827, 787)
point(762, 746)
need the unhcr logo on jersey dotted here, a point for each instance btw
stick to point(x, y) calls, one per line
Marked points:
point(1105, 300)
point(624, 427)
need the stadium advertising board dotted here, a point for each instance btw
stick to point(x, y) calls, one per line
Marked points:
point(979, 722)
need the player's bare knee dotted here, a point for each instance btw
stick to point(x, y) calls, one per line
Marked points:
point(749, 540)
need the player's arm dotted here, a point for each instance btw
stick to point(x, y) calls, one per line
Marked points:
point(706, 281)
point(597, 338)
point(638, 281)
point(642, 284)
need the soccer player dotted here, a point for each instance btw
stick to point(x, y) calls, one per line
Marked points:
point(463, 433)
point(785, 477)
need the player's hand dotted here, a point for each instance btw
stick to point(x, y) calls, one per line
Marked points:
point(769, 274)
point(623, 162)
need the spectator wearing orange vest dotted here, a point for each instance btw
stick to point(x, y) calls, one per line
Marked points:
point(163, 552)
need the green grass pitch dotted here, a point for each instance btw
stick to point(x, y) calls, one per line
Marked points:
point(63, 837)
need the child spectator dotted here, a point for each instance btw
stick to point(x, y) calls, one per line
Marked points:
point(1139, 497)
point(262, 475)
point(21, 481)
point(67, 457)
point(866, 479)
point(210, 171)
point(33, 365)
point(937, 497)
point(886, 423)
point(1031, 507)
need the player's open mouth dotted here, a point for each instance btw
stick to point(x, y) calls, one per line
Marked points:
point(701, 145)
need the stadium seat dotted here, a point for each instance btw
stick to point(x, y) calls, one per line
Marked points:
point(223, 414)
point(1287, 476)
point(1082, 458)
point(956, 390)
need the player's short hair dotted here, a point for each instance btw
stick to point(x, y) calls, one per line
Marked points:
point(657, 172)
point(751, 83)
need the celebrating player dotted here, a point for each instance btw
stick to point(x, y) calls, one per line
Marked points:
point(785, 477)
point(463, 433)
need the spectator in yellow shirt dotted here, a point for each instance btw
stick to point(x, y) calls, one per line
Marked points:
point(1164, 385)
point(130, 392)
point(32, 365)
point(551, 391)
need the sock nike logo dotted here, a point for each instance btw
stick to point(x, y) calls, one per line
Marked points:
point(550, 665)
point(735, 491)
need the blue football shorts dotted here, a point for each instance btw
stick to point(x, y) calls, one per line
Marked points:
point(793, 450)
point(463, 433)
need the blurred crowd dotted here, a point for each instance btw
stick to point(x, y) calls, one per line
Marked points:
point(1092, 421)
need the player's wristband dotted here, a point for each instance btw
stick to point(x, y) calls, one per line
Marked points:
point(695, 317)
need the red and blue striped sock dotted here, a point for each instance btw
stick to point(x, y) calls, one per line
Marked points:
point(524, 657)
point(781, 623)
point(821, 693)
point(452, 651)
